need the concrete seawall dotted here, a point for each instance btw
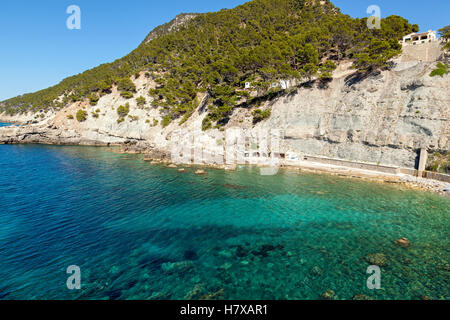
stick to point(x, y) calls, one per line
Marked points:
point(354, 164)
point(437, 176)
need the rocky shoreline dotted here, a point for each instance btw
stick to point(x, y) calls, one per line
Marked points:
point(161, 157)
point(51, 135)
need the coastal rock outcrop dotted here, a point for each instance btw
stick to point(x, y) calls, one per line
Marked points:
point(385, 119)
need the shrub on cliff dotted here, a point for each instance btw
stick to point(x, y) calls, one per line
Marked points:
point(123, 111)
point(439, 162)
point(445, 35)
point(140, 101)
point(81, 115)
point(166, 121)
point(260, 115)
point(125, 84)
point(127, 94)
point(376, 54)
point(326, 70)
point(93, 99)
point(441, 70)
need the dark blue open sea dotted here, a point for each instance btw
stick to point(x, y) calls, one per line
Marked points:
point(139, 231)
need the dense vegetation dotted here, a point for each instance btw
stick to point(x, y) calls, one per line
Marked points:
point(441, 70)
point(214, 54)
point(260, 115)
point(439, 162)
point(123, 111)
point(445, 35)
point(81, 115)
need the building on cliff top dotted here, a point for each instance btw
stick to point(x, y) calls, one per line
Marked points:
point(419, 38)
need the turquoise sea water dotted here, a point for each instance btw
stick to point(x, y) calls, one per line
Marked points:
point(139, 231)
point(5, 124)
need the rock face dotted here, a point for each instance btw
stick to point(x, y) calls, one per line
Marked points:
point(173, 25)
point(384, 119)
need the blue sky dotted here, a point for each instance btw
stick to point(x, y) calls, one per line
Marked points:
point(37, 50)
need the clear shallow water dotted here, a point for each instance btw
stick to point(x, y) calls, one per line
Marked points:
point(240, 235)
point(5, 124)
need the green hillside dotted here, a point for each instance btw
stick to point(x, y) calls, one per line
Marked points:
point(258, 42)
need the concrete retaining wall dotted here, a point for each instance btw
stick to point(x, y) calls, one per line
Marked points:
point(427, 52)
point(353, 164)
point(411, 172)
point(427, 174)
point(437, 176)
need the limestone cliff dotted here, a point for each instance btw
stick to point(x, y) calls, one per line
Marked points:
point(173, 25)
point(385, 118)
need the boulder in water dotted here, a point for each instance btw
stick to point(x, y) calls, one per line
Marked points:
point(182, 266)
point(316, 271)
point(378, 259)
point(329, 295)
point(213, 296)
point(362, 297)
point(403, 242)
point(190, 255)
point(195, 292)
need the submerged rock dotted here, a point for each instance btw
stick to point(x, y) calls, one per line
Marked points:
point(316, 271)
point(195, 292)
point(159, 296)
point(114, 270)
point(403, 242)
point(190, 255)
point(362, 297)
point(225, 254)
point(226, 266)
point(240, 251)
point(329, 295)
point(378, 259)
point(182, 266)
point(200, 172)
point(173, 166)
point(181, 170)
point(114, 294)
point(214, 295)
point(233, 186)
point(264, 250)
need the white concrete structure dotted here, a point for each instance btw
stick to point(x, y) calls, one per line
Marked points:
point(419, 38)
point(283, 84)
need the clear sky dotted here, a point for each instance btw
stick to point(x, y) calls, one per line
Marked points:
point(37, 50)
